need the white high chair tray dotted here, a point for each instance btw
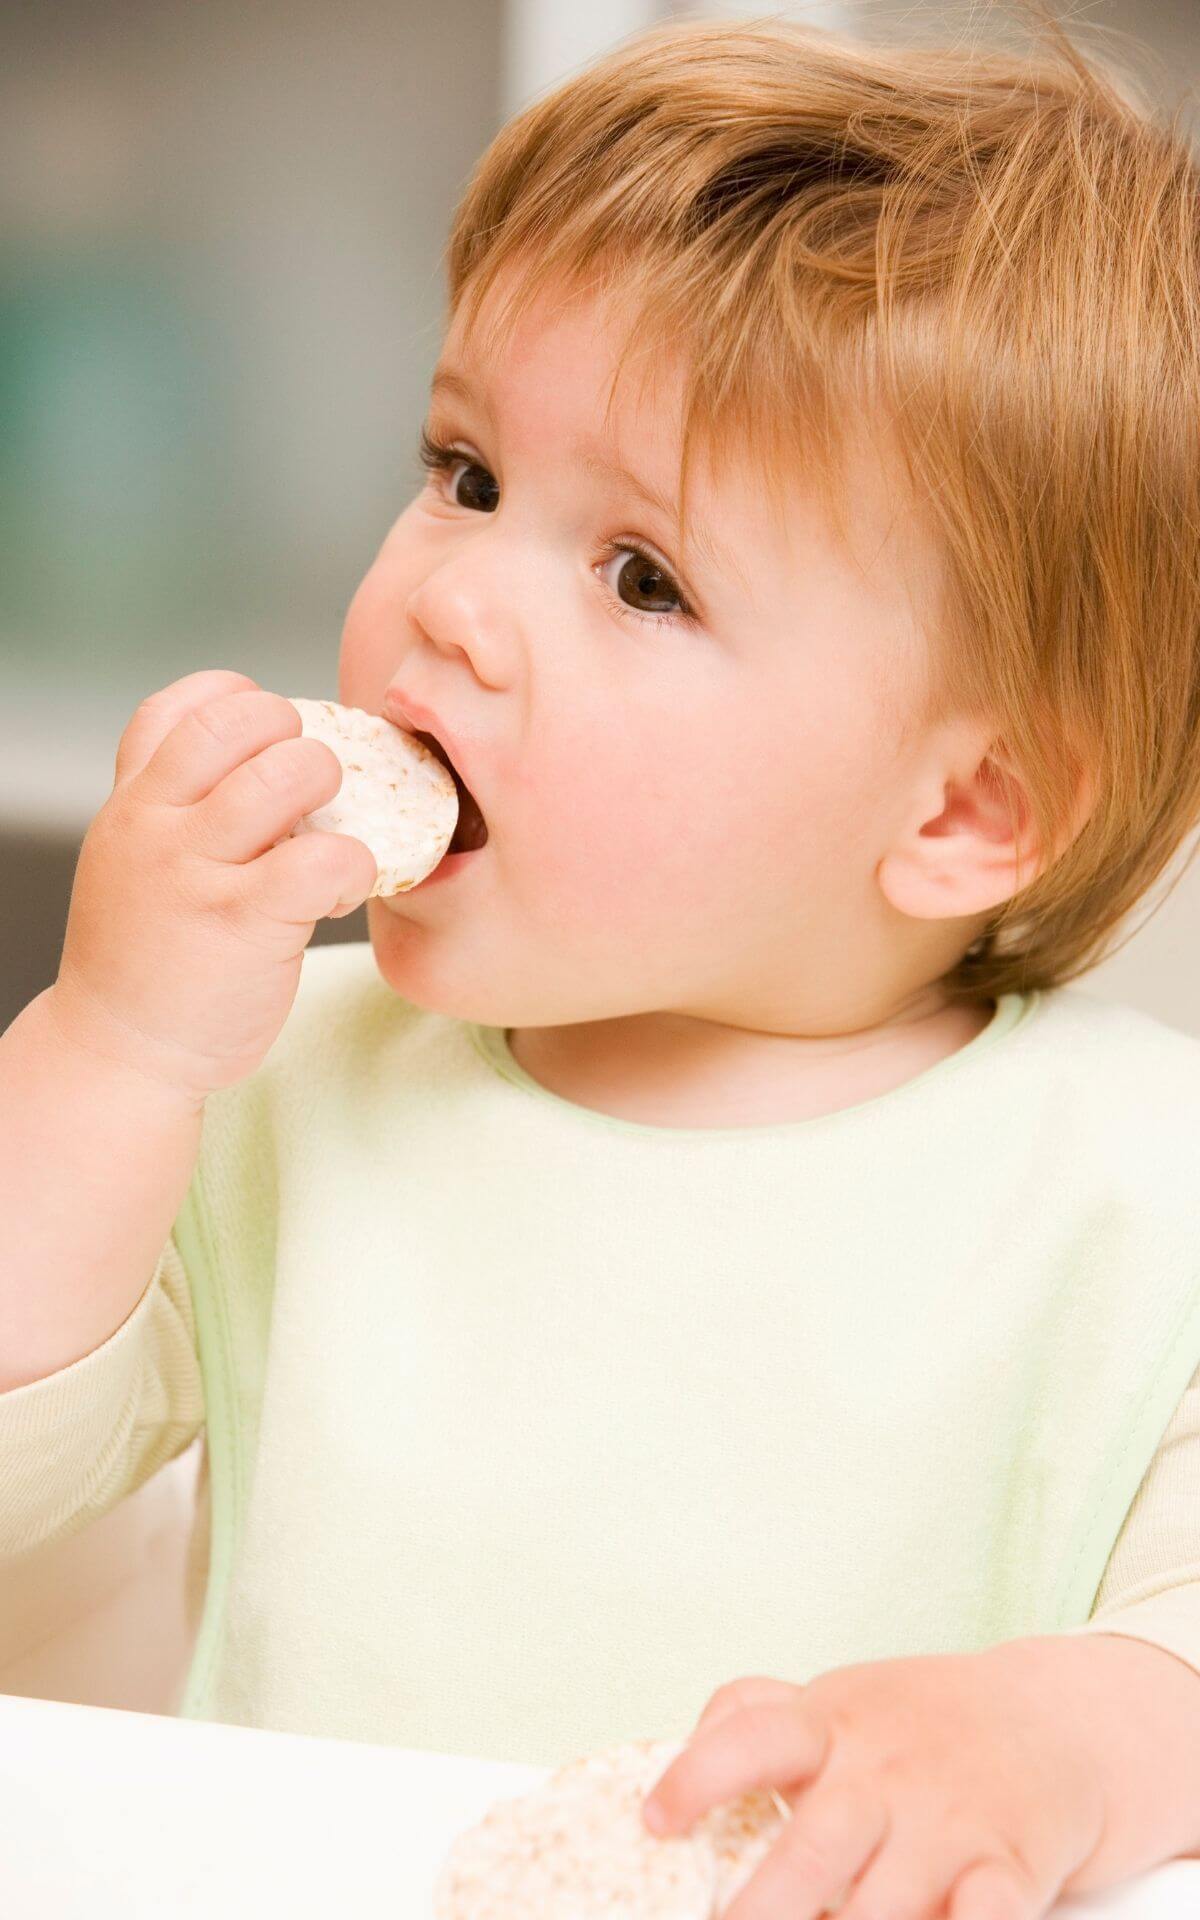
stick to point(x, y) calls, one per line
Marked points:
point(130, 1816)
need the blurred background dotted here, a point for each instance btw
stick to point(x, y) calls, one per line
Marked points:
point(221, 298)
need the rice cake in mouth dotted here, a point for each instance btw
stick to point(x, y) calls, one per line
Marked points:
point(577, 1848)
point(396, 796)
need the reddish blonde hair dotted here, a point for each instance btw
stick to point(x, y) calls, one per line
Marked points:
point(996, 256)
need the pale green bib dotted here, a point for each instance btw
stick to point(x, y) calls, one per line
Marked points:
point(529, 1427)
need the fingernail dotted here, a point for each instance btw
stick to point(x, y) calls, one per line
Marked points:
point(654, 1816)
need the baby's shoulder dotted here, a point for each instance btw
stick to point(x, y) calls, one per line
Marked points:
point(1132, 1080)
point(1111, 1033)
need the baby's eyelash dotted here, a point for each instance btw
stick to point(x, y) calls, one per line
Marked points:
point(437, 456)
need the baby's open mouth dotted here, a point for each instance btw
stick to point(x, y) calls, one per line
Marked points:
point(470, 830)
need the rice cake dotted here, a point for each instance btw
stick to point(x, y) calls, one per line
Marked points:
point(577, 1848)
point(741, 1833)
point(395, 796)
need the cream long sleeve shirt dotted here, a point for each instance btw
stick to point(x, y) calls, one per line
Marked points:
point(428, 1571)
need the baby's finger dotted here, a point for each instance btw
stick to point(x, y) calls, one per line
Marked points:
point(766, 1745)
point(994, 1890)
point(832, 1835)
point(305, 879)
point(747, 1692)
point(159, 712)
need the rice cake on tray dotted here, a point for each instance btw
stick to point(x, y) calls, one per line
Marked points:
point(577, 1848)
point(395, 796)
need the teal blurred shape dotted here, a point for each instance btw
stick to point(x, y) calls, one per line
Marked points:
point(113, 441)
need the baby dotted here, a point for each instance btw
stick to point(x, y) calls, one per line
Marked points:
point(701, 1253)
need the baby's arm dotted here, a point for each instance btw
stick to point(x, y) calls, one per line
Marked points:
point(96, 1161)
point(180, 963)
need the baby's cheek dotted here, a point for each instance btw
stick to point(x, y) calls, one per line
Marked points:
point(634, 840)
point(590, 844)
point(366, 657)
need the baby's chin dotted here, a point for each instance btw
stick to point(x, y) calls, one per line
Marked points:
point(443, 969)
point(440, 968)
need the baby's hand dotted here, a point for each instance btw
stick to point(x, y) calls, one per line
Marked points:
point(192, 903)
point(945, 1787)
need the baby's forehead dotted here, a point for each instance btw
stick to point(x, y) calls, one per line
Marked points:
point(570, 350)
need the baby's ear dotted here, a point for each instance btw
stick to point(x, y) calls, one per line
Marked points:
point(957, 856)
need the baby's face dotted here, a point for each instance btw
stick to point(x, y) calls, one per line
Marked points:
point(688, 777)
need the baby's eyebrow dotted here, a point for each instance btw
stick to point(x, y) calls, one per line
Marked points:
point(601, 465)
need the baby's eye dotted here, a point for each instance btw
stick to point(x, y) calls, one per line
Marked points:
point(642, 576)
point(437, 457)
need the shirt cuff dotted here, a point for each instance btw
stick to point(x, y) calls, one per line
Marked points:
point(76, 1394)
point(1170, 1619)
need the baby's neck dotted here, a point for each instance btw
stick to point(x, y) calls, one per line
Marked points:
point(666, 1071)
